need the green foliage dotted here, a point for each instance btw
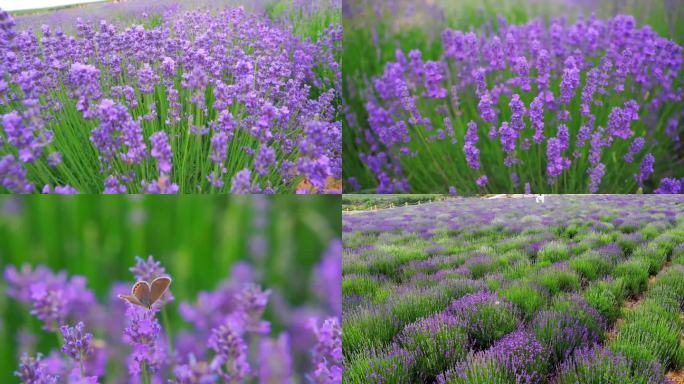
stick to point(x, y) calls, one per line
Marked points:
point(650, 231)
point(413, 305)
point(654, 334)
point(653, 329)
point(634, 274)
point(351, 202)
point(524, 296)
point(378, 366)
point(558, 280)
point(600, 366)
point(653, 255)
point(553, 252)
point(488, 322)
point(606, 297)
point(591, 266)
point(479, 269)
point(481, 369)
point(362, 285)
point(367, 328)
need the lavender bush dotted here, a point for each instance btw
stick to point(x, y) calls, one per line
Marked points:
point(189, 101)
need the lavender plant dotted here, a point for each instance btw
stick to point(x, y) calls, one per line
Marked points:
point(597, 365)
point(199, 102)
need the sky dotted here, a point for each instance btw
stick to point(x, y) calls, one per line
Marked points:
point(15, 5)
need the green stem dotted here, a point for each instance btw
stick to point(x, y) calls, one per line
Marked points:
point(80, 362)
point(169, 336)
point(145, 374)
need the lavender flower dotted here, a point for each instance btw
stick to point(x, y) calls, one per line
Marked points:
point(329, 277)
point(32, 371)
point(230, 362)
point(634, 149)
point(595, 176)
point(252, 301)
point(646, 169)
point(76, 342)
point(522, 354)
point(142, 334)
point(161, 151)
point(472, 153)
point(276, 360)
point(669, 186)
point(328, 351)
point(242, 182)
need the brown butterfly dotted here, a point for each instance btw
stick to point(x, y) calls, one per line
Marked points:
point(145, 294)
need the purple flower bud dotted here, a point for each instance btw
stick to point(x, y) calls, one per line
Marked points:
point(76, 342)
point(230, 362)
point(634, 149)
point(32, 370)
point(241, 183)
point(669, 186)
point(327, 352)
point(646, 169)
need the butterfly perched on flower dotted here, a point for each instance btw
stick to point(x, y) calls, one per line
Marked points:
point(145, 294)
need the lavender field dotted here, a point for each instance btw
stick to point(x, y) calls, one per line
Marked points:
point(513, 96)
point(172, 97)
point(568, 289)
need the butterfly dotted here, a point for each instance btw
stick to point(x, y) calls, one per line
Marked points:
point(145, 294)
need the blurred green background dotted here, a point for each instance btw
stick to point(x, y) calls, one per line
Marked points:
point(196, 238)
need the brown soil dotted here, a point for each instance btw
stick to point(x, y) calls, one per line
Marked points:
point(676, 376)
point(612, 333)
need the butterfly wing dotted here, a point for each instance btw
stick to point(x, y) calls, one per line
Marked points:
point(131, 299)
point(159, 286)
point(141, 290)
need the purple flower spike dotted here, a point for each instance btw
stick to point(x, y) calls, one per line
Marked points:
point(252, 301)
point(646, 169)
point(275, 360)
point(669, 186)
point(76, 342)
point(241, 183)
point(230, 362)
point(142, 333)
point(328, 352)
point(32, 371)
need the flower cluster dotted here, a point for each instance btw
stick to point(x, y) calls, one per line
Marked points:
point(54, 298)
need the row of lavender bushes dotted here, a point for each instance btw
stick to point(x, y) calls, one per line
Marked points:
point(514, 291)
